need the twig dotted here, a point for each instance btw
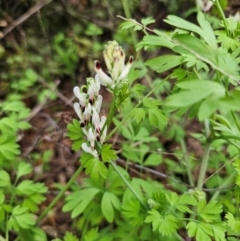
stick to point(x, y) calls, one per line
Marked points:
point(24, 17)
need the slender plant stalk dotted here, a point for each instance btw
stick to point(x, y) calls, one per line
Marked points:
point(128, 185)
point(205, 158)
point(203, 167)
point(186, 160)
point(227, 182)
point(61, 193)
point(222, 15)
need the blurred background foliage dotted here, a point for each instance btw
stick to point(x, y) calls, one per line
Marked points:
point(59, 39)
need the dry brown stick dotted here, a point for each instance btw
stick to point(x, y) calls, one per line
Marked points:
point(24, 17)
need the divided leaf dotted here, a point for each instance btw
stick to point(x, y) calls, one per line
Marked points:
point(109, 202)
point(209, 211)
point(77, 201)
point(107, 153)
point(166, 225)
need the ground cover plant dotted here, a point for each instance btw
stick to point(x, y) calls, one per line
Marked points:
point(156, 140)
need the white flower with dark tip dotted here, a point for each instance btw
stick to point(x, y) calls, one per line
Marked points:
point(114, 57)
point(87, 113)
point(93, 89)
point(79, 112)
point(82, 97)
point(96, 120)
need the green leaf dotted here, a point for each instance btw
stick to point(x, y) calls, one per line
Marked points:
point(219, 60)
point(194, 91)
point(20, 219)
point(5, 179)
point(138, 89)
point(231, 102)
point(8, 148)
point(95, 167)
point(2, 197)
point(70, 237)
point(28, 187)
point(146, 21)
point(201, 231)
point(208, 35)
point(165, 62)
point(157, 118)
point(143, 135)
point(182, 202)
point(183, 24)
point(204, 231)
point(23, 168)
point(151, 103)
point(91, 235)
point(152, 40)
point(16, 106)
point(153, 160)
point(233, 223)
point(207, 108)
point(79, 200)
point(166, 225)
point(107, 153)
point(74, 130)
point(127, 25)
point(109, 200)
point(209, 211)
point(138, 114)
point(133, 212)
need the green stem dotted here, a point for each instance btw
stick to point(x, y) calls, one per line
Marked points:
point(111, 112)
point(223, 16)
point(60, 194)
point(203, 168)
point(235, 120)
point(11, 202)
point(139, 103)
point(189, 173)
point(205, 158)
point(227, 182)
point(128, 185)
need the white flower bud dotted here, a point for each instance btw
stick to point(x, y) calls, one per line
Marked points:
point(82, 97)
point(88, 149)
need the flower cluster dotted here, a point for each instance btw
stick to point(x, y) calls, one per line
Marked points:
point(90, 101)
point(114, 57)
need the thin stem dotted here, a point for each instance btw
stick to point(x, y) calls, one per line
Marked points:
point(227, 182)
point(111, 111)
point(11, 202)
point(61, 193)
point(139, 103)
point(223, 16)
point(128, 185)
point(205, 158)
point(189, 174)
point(203, 168)
point(235, 120)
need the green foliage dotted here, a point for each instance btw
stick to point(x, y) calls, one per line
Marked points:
point(152, 119)
point(78, 200)
point(166, 225)
point(107, 153)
